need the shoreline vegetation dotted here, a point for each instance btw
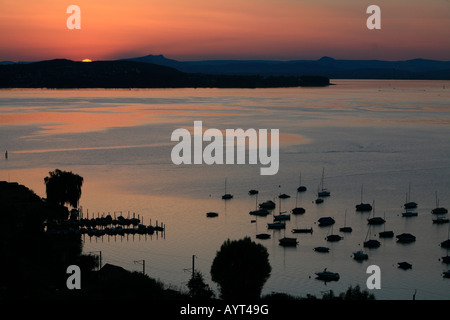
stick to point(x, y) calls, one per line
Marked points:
point(67, 74)
point(35, 261)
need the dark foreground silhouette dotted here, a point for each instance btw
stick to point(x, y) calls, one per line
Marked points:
point(34, 263)
point(130, 74)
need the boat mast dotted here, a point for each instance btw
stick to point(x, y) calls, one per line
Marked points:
point(367, 235)
point(345, 218)
point(437, 201)
point(279, 198)
point(323, 173)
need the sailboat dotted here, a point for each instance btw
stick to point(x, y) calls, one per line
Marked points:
point(212, 214)
point(323, 192)
point(384, 233)
point(262, 212)
point(288, 241)
point(375, 220)
point(297, 210)
point(284, 196)
point(441, 220)
point(301, 188)
point(276, 225)
point(269, 204)
point(446, 243)
point(333, 237)
point(409, 214)
point(226, 196)
point(282, 215)
point(302, 230)
point(406, 238)
point(363, 206)
point(345, 228)
point(409, 204)
point(326, 221)
point(439, 210)
point(404, 265)
point(446, 259)
point(360, 255)
point(371, 243)
point(327, 275)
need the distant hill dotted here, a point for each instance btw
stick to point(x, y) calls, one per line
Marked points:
point(63, 73)
point(325, 66)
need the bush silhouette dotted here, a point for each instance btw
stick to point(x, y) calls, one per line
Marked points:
point(241, 268)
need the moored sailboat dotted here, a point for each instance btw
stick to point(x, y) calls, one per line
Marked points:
point(328, 275)
point(345, 228)
point(297, 210)
point(375, 220)
point(363, 206)
point(439, 210)
point(288, 241)
point(301, 188)
point(326, 221)
point(302, 230)
point(227, 196)
point(322, 191)
point(406, 238)
point(409, 204)
point(371, 243)
point(360, 255)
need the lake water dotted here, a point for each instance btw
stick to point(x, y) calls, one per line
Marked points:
point(390, 137)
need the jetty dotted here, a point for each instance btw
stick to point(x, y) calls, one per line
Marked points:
point(101, 225)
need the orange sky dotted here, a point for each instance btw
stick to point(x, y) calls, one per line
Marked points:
point(233, 29)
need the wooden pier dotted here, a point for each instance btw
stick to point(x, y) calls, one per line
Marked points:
point(101, 225)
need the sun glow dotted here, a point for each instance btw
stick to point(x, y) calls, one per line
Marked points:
point(86, 60)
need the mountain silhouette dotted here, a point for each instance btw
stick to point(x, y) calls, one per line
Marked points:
point(325, 66)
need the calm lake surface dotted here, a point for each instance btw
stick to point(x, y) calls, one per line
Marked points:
point(390, 137)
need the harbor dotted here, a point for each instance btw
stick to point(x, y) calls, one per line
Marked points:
point(102, 225)
point(397, 151)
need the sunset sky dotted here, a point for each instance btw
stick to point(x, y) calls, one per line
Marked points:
point(231, 29)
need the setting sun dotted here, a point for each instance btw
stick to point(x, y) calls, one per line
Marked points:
point(86, 60)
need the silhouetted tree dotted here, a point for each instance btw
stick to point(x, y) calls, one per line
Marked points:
point(241, 268)
point(63, 187)
point(198, 289)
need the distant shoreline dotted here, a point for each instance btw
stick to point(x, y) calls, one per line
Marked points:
point(67, 74)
